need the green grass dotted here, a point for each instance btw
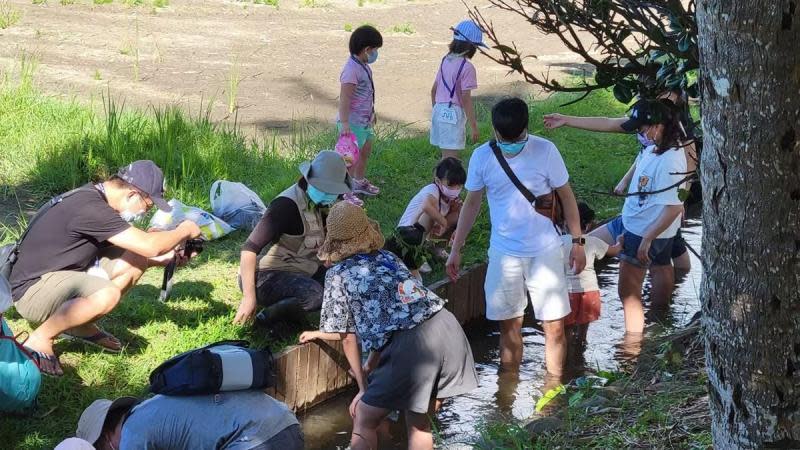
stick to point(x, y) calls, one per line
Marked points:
point(314, 4)
point(9, 15)
point(102, 2)
point(54, 145)
point(403, 28)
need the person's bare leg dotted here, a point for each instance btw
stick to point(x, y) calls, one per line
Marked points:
point(555, 346)
point(663, 283)
point(682, 263)
point(511, 344)
point(360, 167)
point(631, 278)
point(603, 234)
point(73, 313)
point(419, 431)
point(365, 426)
point(451, 154)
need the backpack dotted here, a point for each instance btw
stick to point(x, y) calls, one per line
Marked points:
point(9, 252)
point(20, 378)
point(218, 367)
point(236, 204)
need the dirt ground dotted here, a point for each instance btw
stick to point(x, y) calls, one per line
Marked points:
point(287, 58)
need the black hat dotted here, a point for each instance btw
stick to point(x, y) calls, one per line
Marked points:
point(145, 176)
point(645, 112)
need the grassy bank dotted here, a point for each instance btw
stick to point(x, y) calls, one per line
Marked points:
point(51, 145)
point(659, 402)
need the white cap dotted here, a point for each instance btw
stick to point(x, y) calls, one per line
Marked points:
point(90, 425)
point(74, 443)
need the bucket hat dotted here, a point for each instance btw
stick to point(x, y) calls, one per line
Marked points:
point(349, 231)
point(328, 173)
point(469, 31)
point(90, 425)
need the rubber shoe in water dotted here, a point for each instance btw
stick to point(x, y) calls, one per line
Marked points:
point(364, 187)
point(353, 199)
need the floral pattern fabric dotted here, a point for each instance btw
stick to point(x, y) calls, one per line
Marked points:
point(374, 295)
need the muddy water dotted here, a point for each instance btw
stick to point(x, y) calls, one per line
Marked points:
point(329, 425)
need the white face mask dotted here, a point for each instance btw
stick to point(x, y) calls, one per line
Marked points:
point(450, 193)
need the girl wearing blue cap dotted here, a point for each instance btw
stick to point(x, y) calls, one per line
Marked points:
point(450, 94)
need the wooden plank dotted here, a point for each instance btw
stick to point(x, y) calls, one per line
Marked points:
point(324, 366)
point(280, 377)
point(290, 378)
point(312, 367)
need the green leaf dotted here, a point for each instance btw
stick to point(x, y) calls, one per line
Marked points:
point(505, 49)
point(622, 93)
point(575, 398)
point(683, 194)
point(684, 42)
point(549, 396)
point(603, 77)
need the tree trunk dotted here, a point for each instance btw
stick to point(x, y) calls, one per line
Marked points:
point(750, 60)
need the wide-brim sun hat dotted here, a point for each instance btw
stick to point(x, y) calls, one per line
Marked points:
point(469, 31)
point(348, 232)
point(328, 173)
point(90, 425)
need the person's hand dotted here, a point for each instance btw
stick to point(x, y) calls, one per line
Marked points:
point(246, 311)
point(345, 129)
point(554, 120)
point(577, 258)
point(368, 367)
point(437, 230)
point(643, 254)
point(354, 403)
point(308, 336)
point(453, 264)
point(476, 135)
point(189, 229)
point(163, 260)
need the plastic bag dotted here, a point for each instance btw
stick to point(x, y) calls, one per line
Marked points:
point(236, 204)
point(347, 146)
point(211, 227)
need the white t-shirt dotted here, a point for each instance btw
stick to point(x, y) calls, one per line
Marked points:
point(414, 208)
point(585, 281)
point(517, 229)
point(654, 172)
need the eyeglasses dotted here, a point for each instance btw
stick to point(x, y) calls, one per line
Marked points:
point(521, 141)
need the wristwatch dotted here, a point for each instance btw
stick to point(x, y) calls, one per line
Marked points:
point(579, 240)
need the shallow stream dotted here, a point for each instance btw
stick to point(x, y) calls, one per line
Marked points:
point(328, 426)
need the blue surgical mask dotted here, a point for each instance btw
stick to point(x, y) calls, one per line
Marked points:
point(319, 197)
point(644, 140)
point(372, 57)
point(512, 148)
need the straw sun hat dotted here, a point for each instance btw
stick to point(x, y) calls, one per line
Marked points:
point(349, 231)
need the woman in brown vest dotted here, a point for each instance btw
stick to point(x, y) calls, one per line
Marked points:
point(289, 276)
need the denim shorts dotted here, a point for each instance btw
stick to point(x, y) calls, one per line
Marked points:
point(660, 251)
point(615, 227)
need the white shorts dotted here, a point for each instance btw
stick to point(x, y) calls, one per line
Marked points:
point(508, 276)
point(448, 136)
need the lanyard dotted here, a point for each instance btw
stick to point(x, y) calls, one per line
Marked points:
point(452, 90)
point(369, 76)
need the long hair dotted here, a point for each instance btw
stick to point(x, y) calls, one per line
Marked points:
point(669, 115)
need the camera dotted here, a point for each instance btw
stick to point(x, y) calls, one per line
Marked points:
point(192, 246)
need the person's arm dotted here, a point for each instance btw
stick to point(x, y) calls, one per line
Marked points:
point(308, 336)
point(577, 256)
point(466, 219)
point(602, 124)
point(345, 98)
point(616, 249)
point(247, 272)
point(469, 110)
point(431, 208)
point(667, 217)
point(154, 243)
point(622, 186)
point(433, 92)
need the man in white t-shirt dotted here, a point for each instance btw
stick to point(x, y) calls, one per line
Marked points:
point(524, 248)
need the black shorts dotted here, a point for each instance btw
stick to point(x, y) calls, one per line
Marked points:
point(678, 245)
point(660, 251)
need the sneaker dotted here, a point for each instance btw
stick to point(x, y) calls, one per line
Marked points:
point(352, 198)
point(363, 186)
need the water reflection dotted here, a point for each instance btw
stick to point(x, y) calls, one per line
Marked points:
point(504, 395)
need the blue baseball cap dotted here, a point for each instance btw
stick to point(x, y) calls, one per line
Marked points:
point(469, 31)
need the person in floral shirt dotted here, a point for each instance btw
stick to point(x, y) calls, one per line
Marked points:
point(418, 353)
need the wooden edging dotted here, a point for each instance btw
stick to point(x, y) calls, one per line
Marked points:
point(307, 375)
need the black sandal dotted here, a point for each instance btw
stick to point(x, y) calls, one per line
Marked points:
point(55, 370)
